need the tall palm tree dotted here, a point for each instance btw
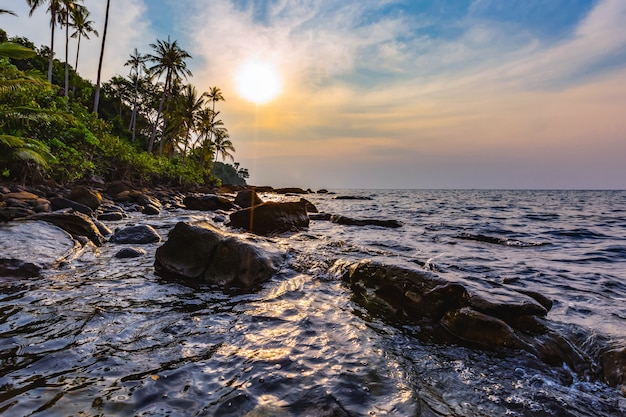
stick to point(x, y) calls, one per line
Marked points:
point(190, 106)
point(169, 59)
point(96, 100)
point(54, 7)
point(137, 63)
point(214, 95)
point(68, 8)
point(223, 144)
point(82, 28)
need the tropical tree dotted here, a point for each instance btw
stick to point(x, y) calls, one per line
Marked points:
point(82, 28)
point(54, 8)
point(189, 105)
point(169, 60)
point(137, 63)
point(68, 8)
point(223, 144)
point(5, 11)
point(96, 100)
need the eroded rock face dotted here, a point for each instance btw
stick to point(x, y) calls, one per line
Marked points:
point(487, 317)
point(271, 217)
point(201, 253)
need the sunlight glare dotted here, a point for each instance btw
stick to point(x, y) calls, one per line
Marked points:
point(258, 81)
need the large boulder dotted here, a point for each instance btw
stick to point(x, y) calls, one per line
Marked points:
point(247, 198)
point(271, 217)
point(138, 234)
point(207, 202)
point(59, 203)
point(85, 196)
point(76, 224)
point(201, 253)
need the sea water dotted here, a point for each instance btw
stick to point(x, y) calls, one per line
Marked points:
point(106, 337)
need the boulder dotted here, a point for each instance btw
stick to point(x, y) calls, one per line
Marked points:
point(111, 216)
point(20, 195)
point(207, 202)
point(116, 187)
point(201, 253)
point(310, 207)
point(59, 203)
point(290, 190)
point(271, 217)
point(11, 213)
point(151, 210)
point(247, 198)
point(139, 234)
point(18, 268)
point(130, 253)
point(335, 218)
point(86, 197)
point(352, 197)
point(76, 224)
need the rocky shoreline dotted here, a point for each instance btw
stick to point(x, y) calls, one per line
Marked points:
point(497, 319)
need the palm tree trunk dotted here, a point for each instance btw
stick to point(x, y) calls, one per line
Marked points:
point(156, 122)
point(96, 101)
point(133, 117)
point(53, 24)
point(67, 48)
point(77, 51)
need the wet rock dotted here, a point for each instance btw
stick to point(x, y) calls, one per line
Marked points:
point(613, 364)
point(11, 213)
point(352, 197)
point(76, 224)
point(202, 253)
point(310, 207)
point(322, 191)
point(103, 228)
point(139, 234)
point(86, 197)
point(247, 198)
point(151, 210)
point(18, 268)
point(320, 216)
point(271, 217)
point(14, 202)
point(208, 202)
point(59, 203)
point(335, 218)
point(20, 195)
point(4, 190)
point(117, 187)
point(290, 190)
point(130, 253)
point(111, 216)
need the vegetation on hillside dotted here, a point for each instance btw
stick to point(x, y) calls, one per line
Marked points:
point(150, 127)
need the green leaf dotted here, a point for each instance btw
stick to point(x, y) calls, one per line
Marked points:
point(15, 51)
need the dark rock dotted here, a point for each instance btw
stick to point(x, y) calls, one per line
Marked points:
point(117, 187)
point(364, 222)
point(86, 197)
point(18, 268)
point(320, 216)
point(4, 190)
point(59, 203)
point(613, 363)
point(113, 216)
point(42, 206)
point(139, 234)
point(151, 210)
point(202, 253)
point(20, 195)
point(290, 190)
point(14, 202)
point(352, 197)
point(220, 218)
point(310, 207)
point(130, 253)
point(12, 213)
point(103, 228)
point(322, 191)
point(76, 224)
point(271, 217)
point(247, 198)
point(209, 202)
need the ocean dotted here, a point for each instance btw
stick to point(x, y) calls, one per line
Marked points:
point(102, 336)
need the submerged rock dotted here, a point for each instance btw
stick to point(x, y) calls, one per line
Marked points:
point(130, 253)
point(335, 218)
point(139, 234)
point(201, 253)
point(18, 268)
point(271, 217)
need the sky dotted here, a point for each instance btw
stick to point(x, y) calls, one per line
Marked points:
point(395, 93)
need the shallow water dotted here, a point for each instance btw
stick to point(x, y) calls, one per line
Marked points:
point(103, 336)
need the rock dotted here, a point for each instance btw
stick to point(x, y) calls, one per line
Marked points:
point(20, 195)
point(320, 216)
point(4, 190)
point(352, 197)
point(290, 190)
point(14, 202)
point(271, 217)
point(310, 207)
point(208, 202)
point(247, 198)
point(201, 253)
point(86, 197)
point(130, 253)
point(103, 228)
point(11, 213)
point(59, 203)
point(117, 187)
point(322, 191)
point(76, 224)
point(613, 363)
point(151, 210)
point(139, 234)
point(18, 268)
point(112, 216)
point(364, 222)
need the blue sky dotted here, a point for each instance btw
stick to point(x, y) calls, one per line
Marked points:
point(400, 94)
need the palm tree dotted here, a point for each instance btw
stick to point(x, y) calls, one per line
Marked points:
point(214, 95)
point(82, 28)
point(137, 63)
point(190, 105)
point(96, 100)
point(169, 59)
point(5, 11)
point(68, 8)
point(223, 144)
point(54, 7)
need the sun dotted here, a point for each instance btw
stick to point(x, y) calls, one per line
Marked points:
point(258, 82)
